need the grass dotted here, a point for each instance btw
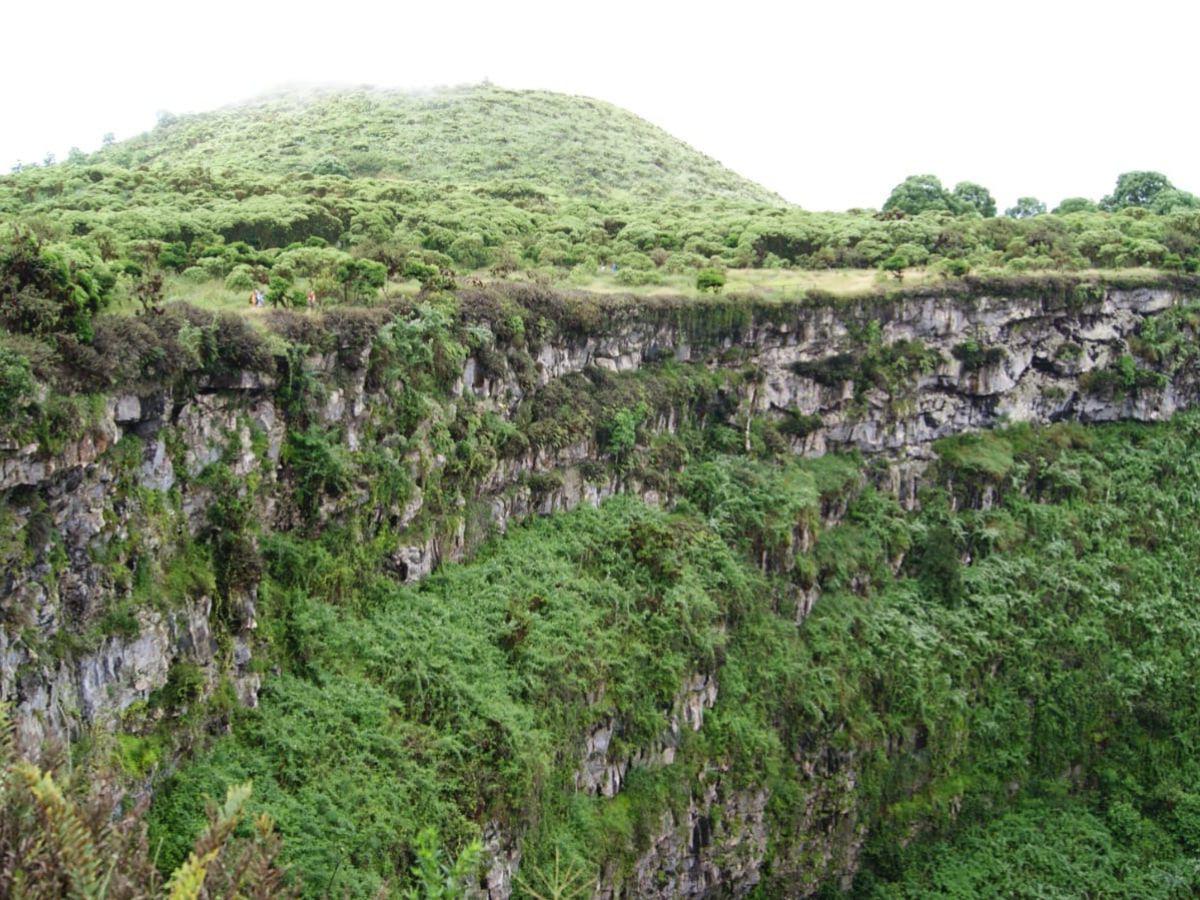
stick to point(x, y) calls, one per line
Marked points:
point(779, 284)
point(213, 296)
point(752, 284)
point(758, 283)
point(790, 284)
point(476, 134)
point(208, 295)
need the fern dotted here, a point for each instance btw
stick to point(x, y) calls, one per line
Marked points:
point(64, 834)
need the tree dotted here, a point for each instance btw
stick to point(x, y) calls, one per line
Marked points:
point(1136, 189)
point(148, 290)
point(710, 280)
point(393, 254)
point(46, 291)
point(174, 256)
point(360, 278)
point(1074, 205)
point(917, 194)
point(1173, 199)
point(1026, 208)
point(896, 264)
point(279, 291)
point(108, 140)
point(971, 196)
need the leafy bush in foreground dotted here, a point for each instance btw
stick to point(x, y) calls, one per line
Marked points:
point(60, 837)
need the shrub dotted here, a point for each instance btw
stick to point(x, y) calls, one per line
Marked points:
point(1122, 377)
point(16, 383)
point(638, 277)
point(623, 431)
point(279, 291)
point(895, 264)
point(470, 252)
point(832, 371)
point(239, 347)
point(800, 425)
point(185, 681)
point(331, 166)
point(1069, 351)
point(421, 344)
point(241, 278)
point(353, 331)
point(954, 268)
point(213, 266)
point(47, 291)
point(418, 269)
point(975, 356)
point(64, 833)
point(174, 256)
point(319, 465)
point(712, 280)
point(360, 278)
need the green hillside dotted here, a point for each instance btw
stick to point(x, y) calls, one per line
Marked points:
point(348, 192)
point(994, 694)
point(574, 146)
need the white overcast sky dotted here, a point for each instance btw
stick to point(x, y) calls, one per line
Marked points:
point(830, 104)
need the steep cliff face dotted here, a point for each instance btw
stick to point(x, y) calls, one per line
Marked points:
point(130, 575)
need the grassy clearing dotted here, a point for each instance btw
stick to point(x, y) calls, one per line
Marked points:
point(760, 283)
point(753, 284)
point(213, 296)
point(791, 284)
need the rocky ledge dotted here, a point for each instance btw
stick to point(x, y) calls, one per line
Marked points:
point(84, 638)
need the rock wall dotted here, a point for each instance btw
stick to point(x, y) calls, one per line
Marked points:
point(716, 846)
point(85, 636)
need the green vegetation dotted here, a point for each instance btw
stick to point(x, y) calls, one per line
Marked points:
point(58, 838)
point(520, 144)
point(710, 280)
point(1055, 665)
point(1026, 208)
point(974, 355)
point(463, 696)
point(1004, 676)
point(1120, 378)
point(317, 192)
point(344, 196)
point(892, 368)
point(924, 193)
point(1054, 847)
